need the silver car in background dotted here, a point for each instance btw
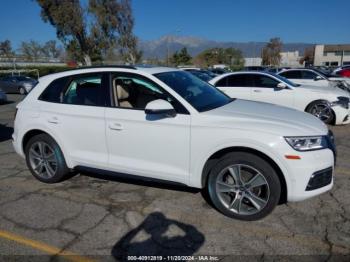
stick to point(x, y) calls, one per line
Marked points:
point(17, 84)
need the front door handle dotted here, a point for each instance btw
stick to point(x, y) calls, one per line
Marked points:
point(115, 126)
point(257, 91)
point(53, 120)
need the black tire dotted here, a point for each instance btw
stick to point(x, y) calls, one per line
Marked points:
point(271, 191)
point(61, 170)
point(22, 90)
point(330, 120)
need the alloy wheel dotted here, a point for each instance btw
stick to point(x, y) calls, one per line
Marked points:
point(322, 111)
point(242, 189)
point(43, 160)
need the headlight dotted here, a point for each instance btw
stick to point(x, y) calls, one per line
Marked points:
point(307, 143)
point(342, 101)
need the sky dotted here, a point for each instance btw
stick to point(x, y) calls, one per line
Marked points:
point(306, 21)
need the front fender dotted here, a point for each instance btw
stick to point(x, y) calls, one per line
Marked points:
point(199, 162)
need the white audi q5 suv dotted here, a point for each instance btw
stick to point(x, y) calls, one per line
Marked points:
point(168, 125)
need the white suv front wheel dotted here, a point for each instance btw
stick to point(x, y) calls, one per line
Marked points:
point(244, 186)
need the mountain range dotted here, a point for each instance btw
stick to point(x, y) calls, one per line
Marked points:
point(158, 48)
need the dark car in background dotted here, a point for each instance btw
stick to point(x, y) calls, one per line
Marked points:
point(3, 97)
point(204, 75)
point(219, 71)
point(17, 84)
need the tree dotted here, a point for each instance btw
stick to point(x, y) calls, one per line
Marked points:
point(127, 41)
point(180, 58)
point(230, 56)
point(271, 53)
point(87, 33)
point(51, 50)
point(308, 56)
point(6, 49)
point(31, 50)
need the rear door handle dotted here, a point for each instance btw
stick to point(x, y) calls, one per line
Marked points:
point(115, 126)
point(257, 91)
point(53, 120)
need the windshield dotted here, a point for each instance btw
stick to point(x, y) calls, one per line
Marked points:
point(205, 77)
point(201, 95)
point(283, 79)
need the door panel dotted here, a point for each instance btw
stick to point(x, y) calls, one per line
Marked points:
point(266, 90)
point(73, 108)
point(147, 145)
point(82, 129)
point(9, 87)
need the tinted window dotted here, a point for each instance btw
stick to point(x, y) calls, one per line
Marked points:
point(135, 91)
point(291, 74)
point(87, 89)
point(265, 81)
point(201, 75)
point(222, 82)
point(243, 80)
point(308, 75)
point(53, 93)
point(201, 95)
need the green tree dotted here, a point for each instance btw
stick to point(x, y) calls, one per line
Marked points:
point(51, 50)
point(229, 56)
point(31, 50)
point(88, 33)
point(271, 53)
point(181, 57)
point(6, 49)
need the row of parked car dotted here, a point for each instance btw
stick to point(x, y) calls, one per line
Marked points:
point(15, 84)
point(312, 90)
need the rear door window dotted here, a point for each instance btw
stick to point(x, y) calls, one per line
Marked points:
point(85, 89)
point(295, 74)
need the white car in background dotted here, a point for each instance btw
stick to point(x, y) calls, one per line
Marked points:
point(315, 77)
point(166, 124)
point(329, 104)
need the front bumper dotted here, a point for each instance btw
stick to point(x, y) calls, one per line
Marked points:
point(342, 115)
point(304, 170)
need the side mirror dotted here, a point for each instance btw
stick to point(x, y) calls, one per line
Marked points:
point(281, 86)
point(318, 78)
point(160, 107)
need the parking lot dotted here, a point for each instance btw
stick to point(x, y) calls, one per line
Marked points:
point(105, 218)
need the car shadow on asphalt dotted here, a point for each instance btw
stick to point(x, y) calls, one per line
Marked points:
point(5, 133)
point(159, 236)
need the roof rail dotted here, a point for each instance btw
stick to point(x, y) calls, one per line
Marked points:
point(100, 66)
point(103, 66)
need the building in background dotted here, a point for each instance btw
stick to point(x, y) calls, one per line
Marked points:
point(252, 61)
point(290, 59)
point(332, 55)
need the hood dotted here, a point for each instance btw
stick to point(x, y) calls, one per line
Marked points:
point(269, 118)
point(330, 89)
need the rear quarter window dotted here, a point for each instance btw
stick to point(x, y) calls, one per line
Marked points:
point(53, 91)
